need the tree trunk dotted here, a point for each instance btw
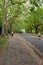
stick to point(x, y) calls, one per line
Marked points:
point(36, 28)
point(10, 28)
point(4, 25)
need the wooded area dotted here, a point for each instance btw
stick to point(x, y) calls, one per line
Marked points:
point(21, 15)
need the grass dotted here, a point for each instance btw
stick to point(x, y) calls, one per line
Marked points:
point(3, 41)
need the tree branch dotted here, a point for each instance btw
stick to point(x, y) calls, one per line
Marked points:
point(14, 16)
point(15, 3)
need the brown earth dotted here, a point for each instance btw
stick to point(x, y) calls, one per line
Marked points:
point(17, 52)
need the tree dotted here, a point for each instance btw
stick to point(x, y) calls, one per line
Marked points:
point(37, 19)
point(36, 3)
point(11, 9)
point(7, 15)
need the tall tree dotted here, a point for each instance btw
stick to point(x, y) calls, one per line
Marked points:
point(7, 4)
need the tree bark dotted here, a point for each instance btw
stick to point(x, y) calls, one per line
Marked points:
point(4, 25)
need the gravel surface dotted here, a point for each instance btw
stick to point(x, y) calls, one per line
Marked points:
point(17, 52)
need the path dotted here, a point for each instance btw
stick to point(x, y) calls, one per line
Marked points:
point(17, 52)
point(34, 40)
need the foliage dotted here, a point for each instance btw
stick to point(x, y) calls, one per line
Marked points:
point(20, 14)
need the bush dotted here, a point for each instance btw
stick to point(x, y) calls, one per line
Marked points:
point(3, 41)
point(33, 31)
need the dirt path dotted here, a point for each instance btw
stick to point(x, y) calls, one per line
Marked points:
point(17, 52)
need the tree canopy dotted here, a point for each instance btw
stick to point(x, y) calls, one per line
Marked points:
point(16, 15)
